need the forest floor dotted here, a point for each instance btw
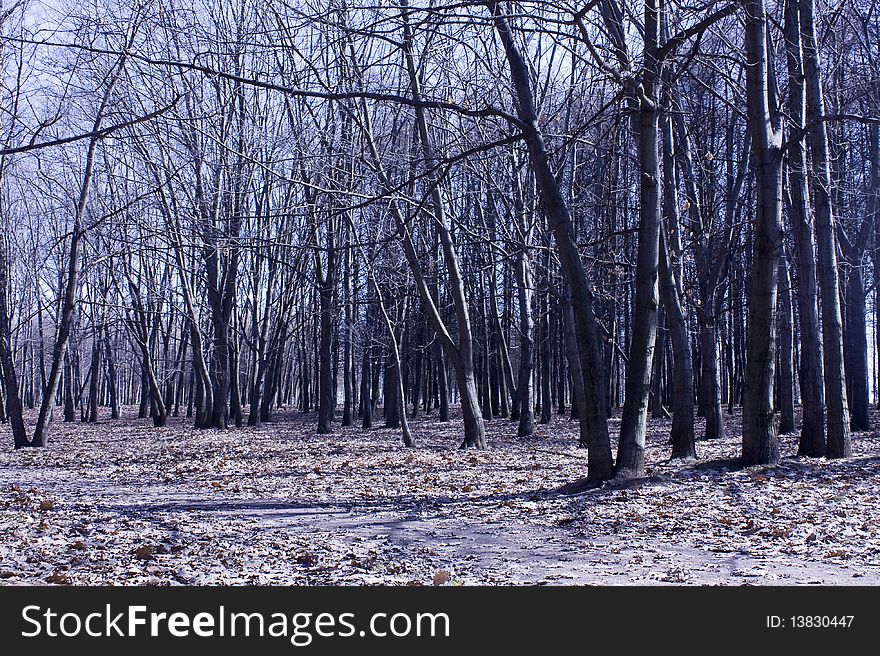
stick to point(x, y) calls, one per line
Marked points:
point(120, 502)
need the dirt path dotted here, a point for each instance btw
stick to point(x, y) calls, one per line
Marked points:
point(247, 507)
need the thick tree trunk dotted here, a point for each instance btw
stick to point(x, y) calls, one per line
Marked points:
point(812, 437)
point(838, 443)
point(683, 431)
point(874, 211)
point(633, 425)
point(760, 445)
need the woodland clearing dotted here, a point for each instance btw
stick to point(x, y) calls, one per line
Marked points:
point(124, 503)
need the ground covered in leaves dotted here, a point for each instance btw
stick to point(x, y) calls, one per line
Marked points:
point(120, 502)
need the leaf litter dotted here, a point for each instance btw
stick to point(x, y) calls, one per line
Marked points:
point(123, 503)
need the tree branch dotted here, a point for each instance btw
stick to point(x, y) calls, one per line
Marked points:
point(97, 134)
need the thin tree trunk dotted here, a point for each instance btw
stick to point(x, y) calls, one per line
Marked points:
point(594, 421)
point(683, 380)
point(786, 353)
point(856, 352)
point(94, 372)
point(462, 361)
point(14, 409)
point(571, 350)
point(348, 339)
point(544, 343)
point(111, 376)
point(71, 289)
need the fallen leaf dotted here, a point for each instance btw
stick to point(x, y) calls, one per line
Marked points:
point(144, 553)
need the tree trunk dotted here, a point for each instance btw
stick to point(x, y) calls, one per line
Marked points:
point(94, 372)
point(544, 345)
point(366, 369)
point(812, 437)
point(710, 377)
point(683, 432)
point(69, 387)
point(594, 422)
point(325, 362)
point(14, 407)
point(856, 352)
point(111, 376)
point(234, 386)
point(348, 343)
point(571, 351)
point(657, 367)
point(760, 445)
point(633, 425)
point(523, 274)
point(786, 353)
point(683, 380)
point(462, 360)
point(838, 443)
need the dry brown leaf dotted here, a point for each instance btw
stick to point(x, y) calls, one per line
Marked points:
point(144, 553)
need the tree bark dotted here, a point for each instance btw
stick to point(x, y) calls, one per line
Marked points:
point(112, 385)
point(14, 408)
point(838, 443)
point(812, 437)
point(594, 422)
point(633, 425)
point(683, 430)
point(786, 346)
point(683, 433)
point(760, 445)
